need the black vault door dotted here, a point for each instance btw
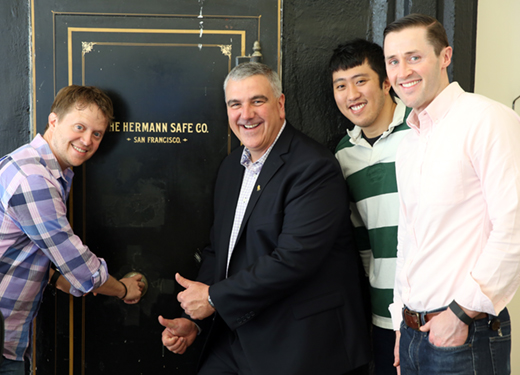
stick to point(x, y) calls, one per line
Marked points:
point(144, 201)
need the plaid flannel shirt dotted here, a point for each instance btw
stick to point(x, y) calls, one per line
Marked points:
point(34, 230)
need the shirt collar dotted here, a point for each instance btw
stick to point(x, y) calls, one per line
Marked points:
point(256, 167)
point(438, 108)
point(356, 136)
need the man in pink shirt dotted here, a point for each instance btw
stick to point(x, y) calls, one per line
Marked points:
point(459, 227)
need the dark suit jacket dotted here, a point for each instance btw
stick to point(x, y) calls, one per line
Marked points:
point(292, 295)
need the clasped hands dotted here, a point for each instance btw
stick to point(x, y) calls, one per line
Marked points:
point(180, 333)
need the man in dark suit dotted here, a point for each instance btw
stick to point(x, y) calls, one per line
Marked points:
point(280, 279)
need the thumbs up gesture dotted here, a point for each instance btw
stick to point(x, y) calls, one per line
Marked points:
point(194, 299)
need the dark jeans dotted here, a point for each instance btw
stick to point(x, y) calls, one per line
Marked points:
point(9, 367)
point(485, 352)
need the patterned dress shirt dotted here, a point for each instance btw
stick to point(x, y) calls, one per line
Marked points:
point(35, 231)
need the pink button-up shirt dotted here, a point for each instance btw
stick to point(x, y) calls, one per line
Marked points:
point(458, 175)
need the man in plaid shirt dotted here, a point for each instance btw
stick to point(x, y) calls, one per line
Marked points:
point(35, 182)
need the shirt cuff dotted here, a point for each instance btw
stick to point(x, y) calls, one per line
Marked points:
point(471, 297)
point(396, 310)
point(97, 279)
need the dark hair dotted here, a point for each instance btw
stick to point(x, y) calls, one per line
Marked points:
point(81, 97)
point(435, 32)
point(355, 53)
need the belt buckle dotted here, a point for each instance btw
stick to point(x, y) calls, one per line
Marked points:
point(417, 317)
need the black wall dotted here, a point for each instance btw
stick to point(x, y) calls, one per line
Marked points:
point(14, 74)
point(311, 30)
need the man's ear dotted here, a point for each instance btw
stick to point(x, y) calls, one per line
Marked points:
point(446, 54)
point(281, 105)
point(386, 86)
point(52, 121)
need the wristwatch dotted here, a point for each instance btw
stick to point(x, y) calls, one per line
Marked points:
point(210, 301)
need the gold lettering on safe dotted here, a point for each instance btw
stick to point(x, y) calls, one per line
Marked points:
point(158, 127)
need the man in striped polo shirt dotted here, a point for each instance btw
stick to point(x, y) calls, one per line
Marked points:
point(367, 158)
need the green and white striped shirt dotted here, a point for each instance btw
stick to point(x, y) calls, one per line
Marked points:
point(370, 175)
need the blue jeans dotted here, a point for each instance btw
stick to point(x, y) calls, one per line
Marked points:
point(485, 352)
point(9, 367)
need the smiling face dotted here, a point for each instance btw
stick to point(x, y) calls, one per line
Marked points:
point(255, 114)
point(76, 136)
point(415, 71)
point(361, 98)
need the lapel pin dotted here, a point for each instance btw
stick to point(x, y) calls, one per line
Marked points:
point(258, 188)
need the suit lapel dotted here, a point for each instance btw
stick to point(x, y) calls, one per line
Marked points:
point(233, 183)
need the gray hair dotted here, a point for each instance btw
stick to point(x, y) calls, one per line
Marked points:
point(249, 69)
